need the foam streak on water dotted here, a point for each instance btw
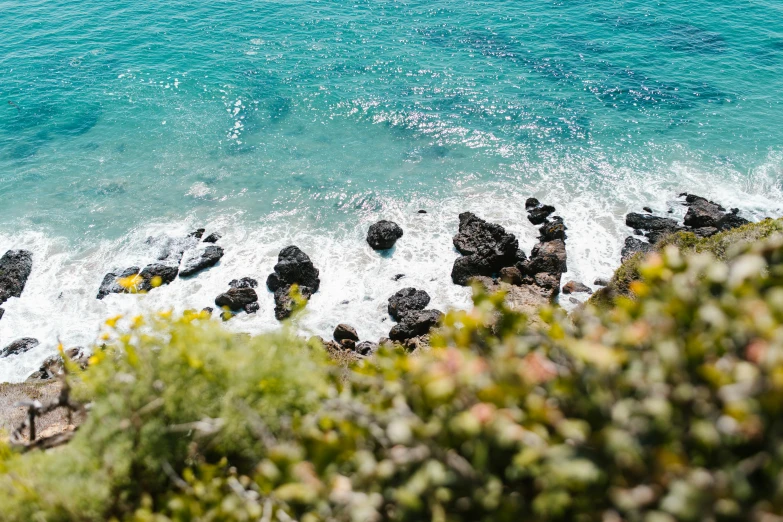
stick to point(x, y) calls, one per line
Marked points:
point(300, 122)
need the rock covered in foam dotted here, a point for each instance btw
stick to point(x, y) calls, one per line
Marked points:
point(200, 258)
point(383, 235)
point(19, 347)
point(15, 268)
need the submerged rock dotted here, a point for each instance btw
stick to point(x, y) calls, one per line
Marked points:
point(383, 235)
point(293, 267)
point(18, 347)
point(199, 259)
point(15, 268)
point(414, 324)
point(245, 282)
point(111, 282)
point(407, 300)
point(214, 237)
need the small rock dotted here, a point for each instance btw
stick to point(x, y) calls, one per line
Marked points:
point(208, 310)
point(531, 203)
point(573, 287)
point(705, 231)
point(538, 215)
point(647, 222)
point(348, 344)
point(214, 237)
point(236, 298)
point(197, 233)
point(601, 282)
point(647, 209)
point(156, 275)
point(549, 257)
point(252, 308)
point(110, 283)
point(15, 268)
point(293, 267)
point(702, 213)
point(366, 348)
point(422, 211)
point(383, 234)
point(573, 300)
point(730, 221)
point(552, 230)
point(486, 248)
point(18, 347)
point(245, 282)
point(511, 275)
point(344, 331)
point(1, 313)
point(398, 277)
point(199, 259)
point(406, 301)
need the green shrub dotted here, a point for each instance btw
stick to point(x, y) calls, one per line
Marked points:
point(665, 407)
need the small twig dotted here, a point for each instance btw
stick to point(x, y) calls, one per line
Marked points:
point(176, 479)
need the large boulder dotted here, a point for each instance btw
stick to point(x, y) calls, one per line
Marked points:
point(155, 275)
point(236, 299)
point(407, 300)
point(383, 234)
point(293, 267)
point(486, 248)
point(549, 257)
point(18, 347)
point(648, 222)
point(15, 268)
point(344, 331)
point(552, 230)
point(414, 324)
point(702, 213)
point(200, 258)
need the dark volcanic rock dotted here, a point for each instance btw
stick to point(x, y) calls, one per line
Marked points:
point(702, 213)
point(199, 259)
point(169, 250)
point(197, 234)
point(15, 268)
point(1, 313)
point(383, 234)
point(573, 287)
point(552, 230)
point(214, 237)
point(245, 282)
point(538, 215)
point(414, 324)
point(647, 222)
point(111, 282)
point(293, 267)
point(236, 298)
point(633, 245)
point(344, 331)
point(549, 257)
point(730, 221)
point(511, 275)
point(407, 300)
point(531, 203)
point(348, 344)
point(647, 209)
point(366, 348)
point(252, 308)
point(19, 346)
point(486, 248)
point(398, 277)
point(156, 275)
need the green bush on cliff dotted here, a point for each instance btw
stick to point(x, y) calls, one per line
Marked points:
point(665, 407)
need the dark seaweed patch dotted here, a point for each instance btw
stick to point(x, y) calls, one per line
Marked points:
point(689, 38)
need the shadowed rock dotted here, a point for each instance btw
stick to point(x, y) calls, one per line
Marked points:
point(15, 268)
point(383, 235)
point(199, 259)
point(344, 331)
point(214, 237)
point(414, 324)
point(407, 300)
point(245, 282)
point(633, 245)
point(236, 299)
point(486, 248)
point(18, 347)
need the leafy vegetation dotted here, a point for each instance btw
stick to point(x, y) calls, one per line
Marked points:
point(664, 407)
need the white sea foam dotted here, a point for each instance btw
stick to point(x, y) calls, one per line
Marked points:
point(59, 301)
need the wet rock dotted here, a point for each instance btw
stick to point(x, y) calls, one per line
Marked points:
point(245, 282)
point(422, 211)
point(366, 348)
point(538, 215)
point(486, 248)
point(729, 221)
point(236, 298)
point(601, 282)
point(398, 277)
point(111, 282)
point(198, 259)
point(647, 222)
point(214, 237)
point(18, 347)
point(633, 246)
point(293, 267)
point(573, 287)
point(531, 203)
point(406, 301)
point(414, 324)
point(647, 209)
point(156, 275)
point(252, 308)
point(1, 313)
point(15, 268)
point(208, 310)
point(552, 230)
point(383, 234)
point(511, 275)
point(344, 331)
point(702, 213)
point(169, 250)
point(573, 300)
point(197, 234)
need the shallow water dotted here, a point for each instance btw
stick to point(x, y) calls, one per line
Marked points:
point(303, 122)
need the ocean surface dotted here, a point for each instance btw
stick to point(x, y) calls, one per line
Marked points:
point(302, 122)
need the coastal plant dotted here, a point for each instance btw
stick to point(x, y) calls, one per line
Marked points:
point(666, 406)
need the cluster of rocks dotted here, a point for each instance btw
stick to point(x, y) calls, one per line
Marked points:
point(241, 296)
point(346, 338)
point(704, 218)
point(293, 267)
point(54, 366)
point(184, 257)
point(408, 308)
point(15, 268)
point(486, 249)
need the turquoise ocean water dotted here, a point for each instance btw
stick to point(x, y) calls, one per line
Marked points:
point(303, 122)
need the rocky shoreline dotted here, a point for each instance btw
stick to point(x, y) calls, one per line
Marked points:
point(489, 256)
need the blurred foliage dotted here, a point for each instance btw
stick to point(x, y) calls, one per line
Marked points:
point(721, 245)
point(667, 406)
